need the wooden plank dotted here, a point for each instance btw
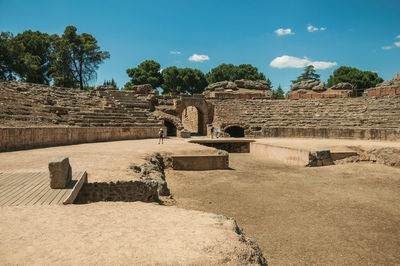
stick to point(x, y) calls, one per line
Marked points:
point(31, 200)
point(39, 197)
point(12, 179)
point(16, 180)
point(74, 192)
point(40, 185)
point(19, 190)
point(49, 197)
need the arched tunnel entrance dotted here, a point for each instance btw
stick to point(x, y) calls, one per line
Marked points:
point(235, 131)
point(171, 128)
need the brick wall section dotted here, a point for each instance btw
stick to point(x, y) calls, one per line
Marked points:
point(384, 91)
point(296, 96)
point(362, 117)
point(26, 138)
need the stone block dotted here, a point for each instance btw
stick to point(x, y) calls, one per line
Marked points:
point(184, 134)
point(60, 172)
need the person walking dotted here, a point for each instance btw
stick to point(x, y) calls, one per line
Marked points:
point(161, 136)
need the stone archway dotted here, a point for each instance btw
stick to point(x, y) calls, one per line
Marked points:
point(204, 112)
point(192, 119)
point(235, 131)
point(171, 128)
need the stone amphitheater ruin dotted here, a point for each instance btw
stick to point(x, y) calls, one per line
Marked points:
point(244, 113)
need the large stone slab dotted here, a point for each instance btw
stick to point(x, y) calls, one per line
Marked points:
point(60, 172)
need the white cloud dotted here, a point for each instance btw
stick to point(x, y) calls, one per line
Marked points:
point(398, 37)
point(175, 52)
point(397, 44)
point(311, 28)
point(199, 58)
point(287, 61)
point(387, 47)
point(281, 32)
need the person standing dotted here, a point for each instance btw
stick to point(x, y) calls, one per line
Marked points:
point(212, 132)
point(161, 136)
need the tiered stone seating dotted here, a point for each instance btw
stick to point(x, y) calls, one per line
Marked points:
point(361, 112)
point(24, 104)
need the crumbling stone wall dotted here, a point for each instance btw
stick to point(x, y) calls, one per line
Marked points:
point(148, 188)
point(120, 191)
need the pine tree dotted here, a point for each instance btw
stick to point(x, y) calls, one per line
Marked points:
point(278, 93)
point(309, 73)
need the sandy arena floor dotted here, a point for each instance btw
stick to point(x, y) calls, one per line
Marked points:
point(335, 215)
point(332, 215)
point(103, 161)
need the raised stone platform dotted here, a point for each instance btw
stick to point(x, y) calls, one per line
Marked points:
point(200, 162)
point(32, 188)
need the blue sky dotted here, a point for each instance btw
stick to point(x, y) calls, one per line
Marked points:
point(278, 37)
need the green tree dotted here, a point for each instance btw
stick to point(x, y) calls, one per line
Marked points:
point(247, 71)
point(360, 79)
point(194, 81)
point(278, 93)
point(172, 80)
point(110, 83)
point(34, 59)
point(9, 54)
point(77, 58)
point(183, 80)
point(147, 72)
point(309, 73)
point(231, 72)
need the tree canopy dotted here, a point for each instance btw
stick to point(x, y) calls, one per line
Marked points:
point(308, 73)
point(360, 79)
point(147, 72)
point(231, 72)
point(33, 60)
point(77, 58)
point(111, 83)
point(278, 93)
point(8, 56)
point(70, 60)
point(183, 80)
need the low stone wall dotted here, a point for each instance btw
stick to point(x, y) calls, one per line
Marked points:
point(231, 146)
point(345, 133)
point(120, 191)
point(200, 162)
point(284, 154)
point(292, 156)
point(27, 138)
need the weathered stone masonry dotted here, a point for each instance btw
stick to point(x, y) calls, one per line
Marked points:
point(372, 116)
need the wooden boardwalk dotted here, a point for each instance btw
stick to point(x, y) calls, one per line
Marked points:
point(33, 188)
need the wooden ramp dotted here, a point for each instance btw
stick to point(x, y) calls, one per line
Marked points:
point(33, 188)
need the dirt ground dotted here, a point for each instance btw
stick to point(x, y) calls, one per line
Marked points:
point(333, 215)
point(103, 161)
point(117, 233)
